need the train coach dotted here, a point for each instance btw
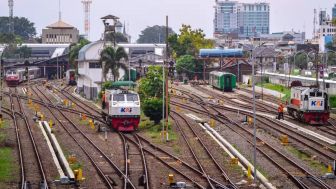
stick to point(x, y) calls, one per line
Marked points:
point(309, 105)
point(16, 76)
point(123, 110)
point(223, 81)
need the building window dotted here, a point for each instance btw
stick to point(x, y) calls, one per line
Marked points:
point(94, 65)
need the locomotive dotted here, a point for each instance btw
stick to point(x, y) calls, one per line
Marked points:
point(123, 109)
point(16, 76)
point(309, 105)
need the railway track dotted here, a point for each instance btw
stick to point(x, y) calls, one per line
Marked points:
point(288, 166)
point(206, 162)
point(109, 172)
point(32, 171)
point(137, 142)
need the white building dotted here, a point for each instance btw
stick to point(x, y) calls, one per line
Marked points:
point(90, 69)
point(296, 37)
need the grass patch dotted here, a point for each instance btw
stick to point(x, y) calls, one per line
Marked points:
point(279, 88)
point(7, 167)
point(307, 159)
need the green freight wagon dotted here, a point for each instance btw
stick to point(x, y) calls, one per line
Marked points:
point(133, 74)
point(223, 80)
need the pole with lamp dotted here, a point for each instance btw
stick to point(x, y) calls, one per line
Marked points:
point(254, 117)
point(1, 77)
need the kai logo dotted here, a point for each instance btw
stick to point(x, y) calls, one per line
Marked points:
point(126, 110)
point(317, 103)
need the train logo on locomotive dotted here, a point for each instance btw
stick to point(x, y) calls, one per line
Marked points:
point(126, 110)
point(316, 103)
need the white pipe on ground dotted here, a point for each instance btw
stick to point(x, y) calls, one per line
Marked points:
point(241, 158)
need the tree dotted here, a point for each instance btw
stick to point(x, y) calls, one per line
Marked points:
point(154, 34)
point(189, 42)
point(150, 90)
point(151, 85)
point(187, 64)
point(119, 37)
point(74, 50)
point(301, 61)
point(24, 52)
point(22, 27)
point(112, 57)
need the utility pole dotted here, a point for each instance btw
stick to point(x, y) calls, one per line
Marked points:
point(166, 86)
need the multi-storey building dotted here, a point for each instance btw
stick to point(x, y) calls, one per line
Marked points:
point(60, 33)
point(244, 19)
point(334, 12)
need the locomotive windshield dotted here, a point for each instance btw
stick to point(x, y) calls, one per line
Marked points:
point(118, 97)
point(132, 97)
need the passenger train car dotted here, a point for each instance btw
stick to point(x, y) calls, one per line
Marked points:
point(309, 105)
point(70, 76)
point(123, 110)
point(15, 76)
point(223, 81)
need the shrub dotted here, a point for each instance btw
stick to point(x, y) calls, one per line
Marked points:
point(152, 108)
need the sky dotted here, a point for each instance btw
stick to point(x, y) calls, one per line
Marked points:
point(138, 14)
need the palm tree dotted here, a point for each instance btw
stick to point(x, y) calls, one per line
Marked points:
point(112, 57)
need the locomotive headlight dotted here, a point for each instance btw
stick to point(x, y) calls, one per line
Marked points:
point(137, 103)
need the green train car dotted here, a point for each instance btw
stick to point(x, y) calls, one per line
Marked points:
point(223, 80)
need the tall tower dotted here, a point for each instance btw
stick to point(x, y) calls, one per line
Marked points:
point(314, 25)
point(11, 23)
point(86, 5)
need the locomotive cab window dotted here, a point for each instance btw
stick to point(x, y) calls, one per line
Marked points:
point(319, 94)
point(312, 94)
point(306, 97)
point(118, 97)
point(132, 97)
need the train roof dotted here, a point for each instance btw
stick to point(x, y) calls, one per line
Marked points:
point(220, 53)
point(218, 73)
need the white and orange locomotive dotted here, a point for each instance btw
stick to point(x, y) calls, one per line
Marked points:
point(309, 105)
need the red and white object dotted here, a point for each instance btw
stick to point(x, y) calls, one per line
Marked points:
point(123, 110)
point(309, 105)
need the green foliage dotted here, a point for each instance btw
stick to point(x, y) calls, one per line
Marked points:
point(74, 50)
point(189, 41)
point(301, 61)
point(331, 57)
point(279, 88)
point(112, 57)
point(152, 108)
point(22, 27)
point(332, 101)
point(151, 85)
point(6, 165)
point(154, 34)
point(24, 52)
point(187, 64)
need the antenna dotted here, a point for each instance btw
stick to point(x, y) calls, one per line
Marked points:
point(59, 10)
point(11, 23)
point(314, 24)
point(86, 5)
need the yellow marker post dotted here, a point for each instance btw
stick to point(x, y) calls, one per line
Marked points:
point(330, 169)
point(234, 161)
point(170, 179)
point(250, 120)
point(51, 123)
point(212, 123)
point(284, 139)
point(178, 109)
point(84, 117)
point(91, 124)
point(184, 100)
point(249, 173)
point(42, 117)
point(73, 105)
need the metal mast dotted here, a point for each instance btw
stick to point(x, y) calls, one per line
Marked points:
point(86, 6)
point(11, 23)
point(314, 24)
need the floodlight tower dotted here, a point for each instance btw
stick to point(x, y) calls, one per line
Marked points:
point(86, 5)
point(11, 24)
